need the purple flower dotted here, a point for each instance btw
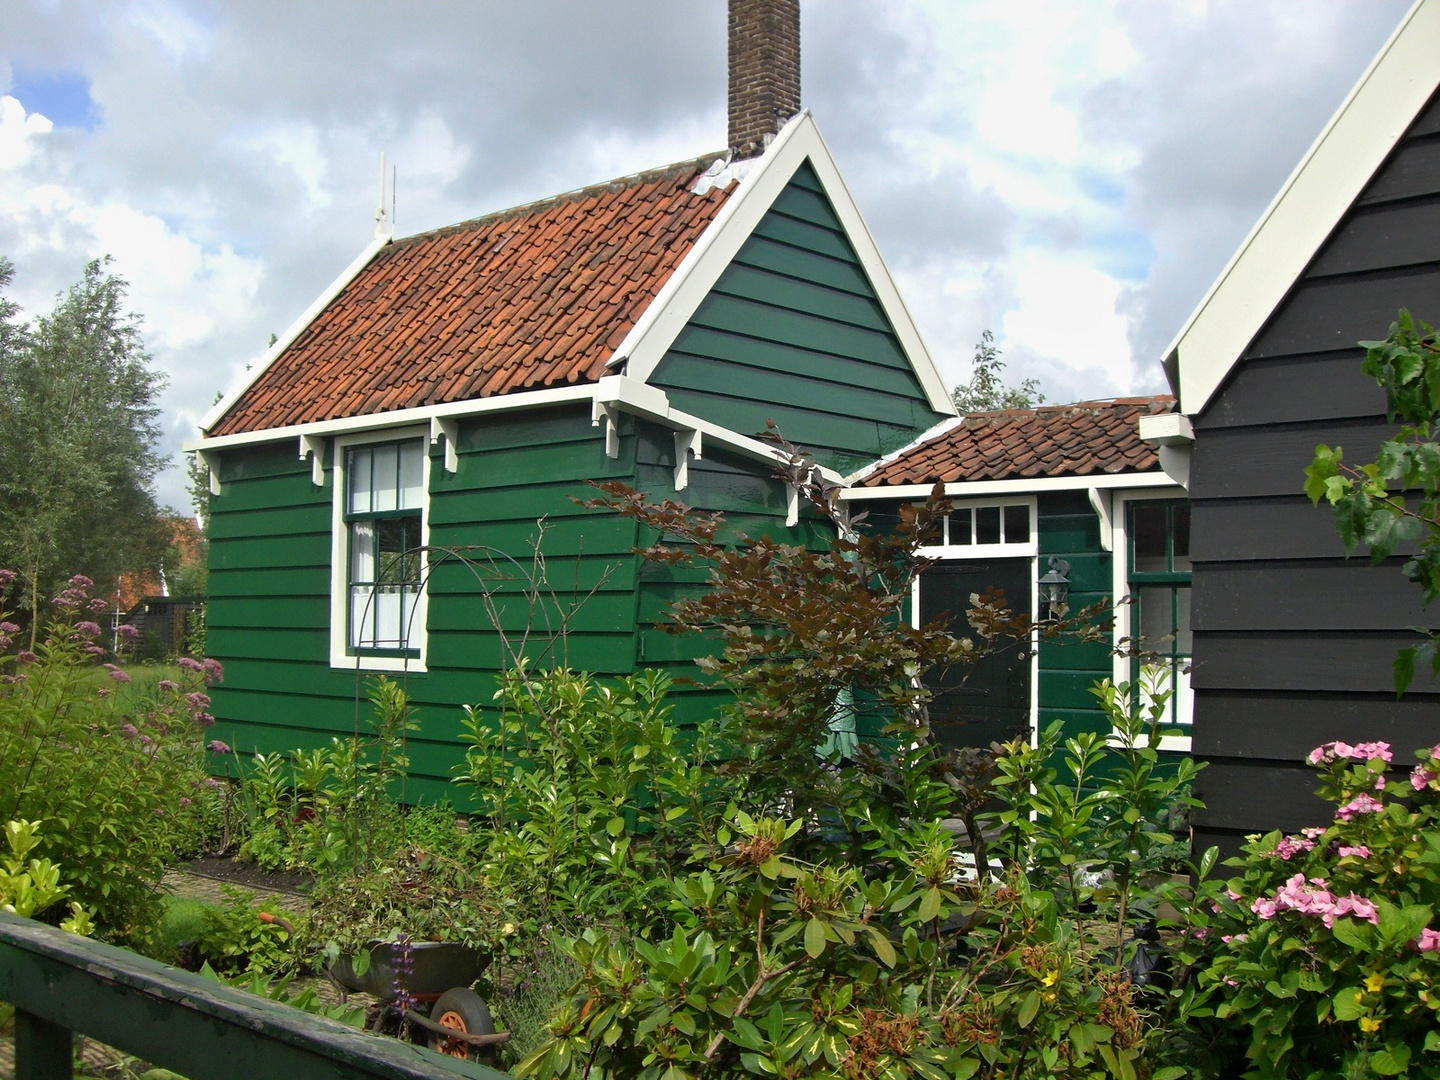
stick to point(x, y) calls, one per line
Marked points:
point(80, 581)
point(198, 701)
point(128, 632)
point(6, 577)
point(212, 783)
point(1290, 846)
point(165, 686)
point(204, 719)
point(25, 656)
point(130, 730)
point(1420, 778)
point(102, 692)
point(184, 801)
point(117, 674)
point(8, 627)
point(94, 650)
point(146, 741)
point(87, 628)
point(97, 605)
point(159, 812)
point(213, 671)
point(215, 746)
point(190, 665)
point(5, 640)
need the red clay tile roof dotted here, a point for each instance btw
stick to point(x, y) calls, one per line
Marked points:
point(1084, 439)
point(533, 297)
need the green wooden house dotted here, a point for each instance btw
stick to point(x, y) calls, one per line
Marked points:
point(453, 388)
point(1090, 497)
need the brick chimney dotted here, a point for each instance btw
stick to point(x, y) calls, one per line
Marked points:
point(764, 71)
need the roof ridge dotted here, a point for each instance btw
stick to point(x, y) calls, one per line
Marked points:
point(1091, 403)
point(618, 183)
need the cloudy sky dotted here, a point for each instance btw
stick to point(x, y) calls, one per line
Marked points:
point(1070, 174)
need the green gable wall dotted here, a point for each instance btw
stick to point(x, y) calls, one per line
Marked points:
point(793, 331)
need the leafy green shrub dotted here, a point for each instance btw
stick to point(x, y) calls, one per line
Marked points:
point(1324, 945)
point(28, 885)
point(234, 938)
point(878, 953)
point(113, 786)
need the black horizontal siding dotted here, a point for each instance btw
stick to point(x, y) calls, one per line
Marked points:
point(1293, 641)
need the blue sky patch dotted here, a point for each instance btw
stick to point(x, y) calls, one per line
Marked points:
point(63, 97)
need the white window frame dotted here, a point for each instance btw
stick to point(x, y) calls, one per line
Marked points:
point(340, 656)
point(1120, 547)
point(948, 552)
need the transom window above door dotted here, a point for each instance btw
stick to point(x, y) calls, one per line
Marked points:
point(987, 528)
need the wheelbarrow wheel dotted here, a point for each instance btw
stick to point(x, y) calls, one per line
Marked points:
point(460, 1010)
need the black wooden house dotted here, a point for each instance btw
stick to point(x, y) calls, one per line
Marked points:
point(1293, 642)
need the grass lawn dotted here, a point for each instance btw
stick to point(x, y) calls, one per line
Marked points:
point(141, 692)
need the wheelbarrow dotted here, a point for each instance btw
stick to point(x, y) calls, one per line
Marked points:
point(438, 979)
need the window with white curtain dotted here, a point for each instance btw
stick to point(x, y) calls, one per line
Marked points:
point(383, 519)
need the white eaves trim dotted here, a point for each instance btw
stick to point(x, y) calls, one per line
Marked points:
point(924, 437)
point(221, 407)
point(1327, 181)
point(977, 489)
point(620, 392)
point(798, 141)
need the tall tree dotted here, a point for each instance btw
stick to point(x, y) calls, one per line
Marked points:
point(78, 438)
point(986, 391)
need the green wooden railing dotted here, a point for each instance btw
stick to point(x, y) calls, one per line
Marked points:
point(62, 985)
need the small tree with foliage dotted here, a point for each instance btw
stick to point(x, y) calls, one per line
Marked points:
point(78, 436)
point(986, 391)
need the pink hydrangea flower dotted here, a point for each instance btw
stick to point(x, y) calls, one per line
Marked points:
point(1361, 804)
point(1352, 905)
point(1428, 941)
point(1328, 752)
point(1369, 751)
point(1359, 850)
point(1290, 846)
point(1421, 777)
point(1238, 939)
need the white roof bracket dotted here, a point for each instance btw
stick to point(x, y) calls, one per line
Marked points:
point(211, 460)
point(687, 441)
point(604, 412)
point(313, 447)
point(1100, 499)
point(448, 426)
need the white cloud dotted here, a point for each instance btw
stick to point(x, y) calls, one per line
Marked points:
point(17, 129)
point(1065, 313)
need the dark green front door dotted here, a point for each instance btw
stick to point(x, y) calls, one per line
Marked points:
point(991, 701)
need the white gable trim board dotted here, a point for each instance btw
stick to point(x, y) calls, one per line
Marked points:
point(1355, 143)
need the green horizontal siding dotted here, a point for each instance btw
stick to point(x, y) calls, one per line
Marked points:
point(793, 331)
point(270, 598)
point(1070, 529)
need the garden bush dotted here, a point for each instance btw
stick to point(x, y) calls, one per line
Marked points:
point(1325, 945)
point(113, 787)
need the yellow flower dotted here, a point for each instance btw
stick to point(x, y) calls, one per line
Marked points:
point(1374, 982)
point(1369, 1023)
point(1051, 977)
point(508, 929)
point(1049, 996)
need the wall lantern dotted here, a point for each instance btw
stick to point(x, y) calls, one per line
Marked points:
point(1055, 590)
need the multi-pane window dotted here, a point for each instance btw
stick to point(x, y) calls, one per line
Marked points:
point(972, 526)
point(1159, 580)
point(384, 496)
